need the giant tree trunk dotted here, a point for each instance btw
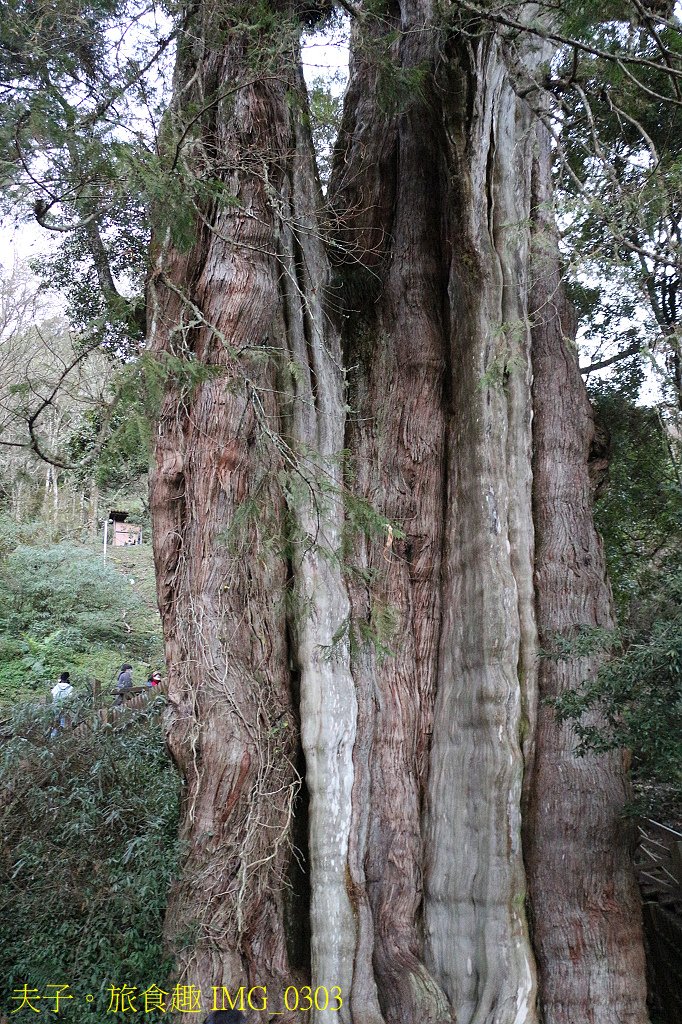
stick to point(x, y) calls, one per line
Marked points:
point(585, 939)
point(346, 579)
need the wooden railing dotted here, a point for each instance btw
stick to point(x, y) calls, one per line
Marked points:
point(658, 863)
point(119, 702)
point(108, 706)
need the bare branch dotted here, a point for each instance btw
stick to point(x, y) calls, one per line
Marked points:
point(631, 350)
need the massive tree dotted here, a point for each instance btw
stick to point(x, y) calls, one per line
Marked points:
point(372, 507)
point(372, 514)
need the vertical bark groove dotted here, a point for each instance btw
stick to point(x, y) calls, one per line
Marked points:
point(587, 922)
point(283, 559)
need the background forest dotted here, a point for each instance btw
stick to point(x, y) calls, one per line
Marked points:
point(89, 824)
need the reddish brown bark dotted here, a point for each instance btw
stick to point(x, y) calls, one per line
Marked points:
point(396, 436)
point(217, 504)
point(273, 577)
point(587, 927)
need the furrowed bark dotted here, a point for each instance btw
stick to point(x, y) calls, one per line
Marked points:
point(328, 703)
point(232, 725)
point(248, 299)
point(586, 915)
point(421, 356)
point(282, 562)
point(395, 346)
point(475, 883)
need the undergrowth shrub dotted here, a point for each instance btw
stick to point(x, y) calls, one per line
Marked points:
point(61, 609)
point(89, 847)
point(635, 701)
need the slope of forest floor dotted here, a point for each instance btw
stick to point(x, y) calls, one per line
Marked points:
point(62, 608)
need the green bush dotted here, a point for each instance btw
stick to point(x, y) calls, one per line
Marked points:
point(62, 609)
point(639, 513)
point(635, 702)
point(89, 826)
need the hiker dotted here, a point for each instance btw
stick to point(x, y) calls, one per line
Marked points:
point(154, 679)
point(61, 690)
point(124, 682)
